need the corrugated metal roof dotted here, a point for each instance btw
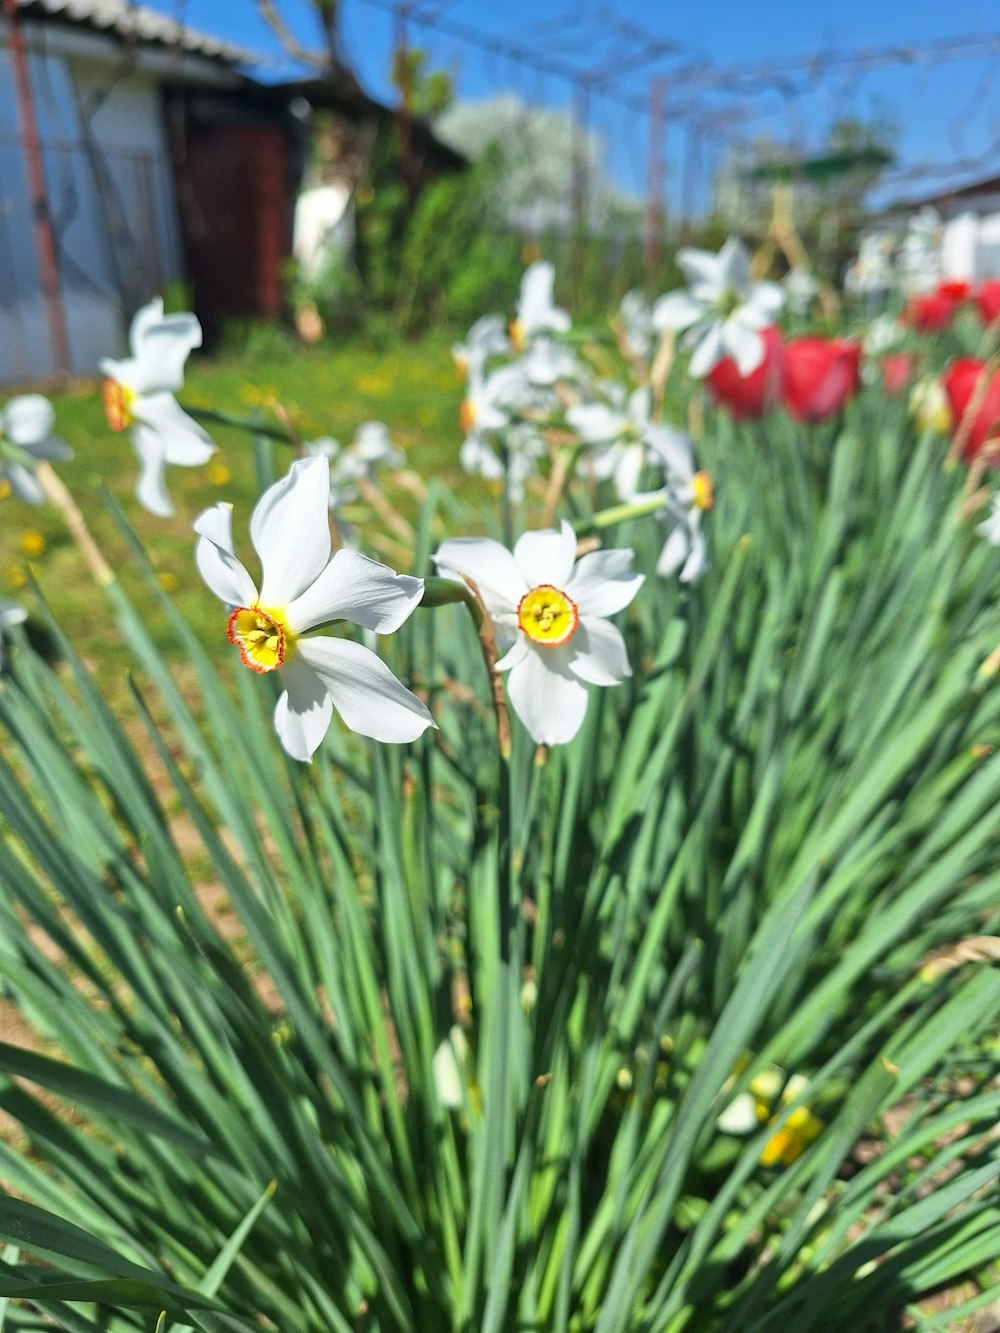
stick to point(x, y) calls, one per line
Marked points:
point(139, 23)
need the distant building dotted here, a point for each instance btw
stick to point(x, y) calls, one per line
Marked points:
point(954, 234)
point(970, 218)
point(136, 154)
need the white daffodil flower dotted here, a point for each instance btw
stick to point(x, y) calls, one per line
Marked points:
point(372, 445)
point(26, 438)
point(139, 395)
point(536, 310)
point(548, 611)
point(304, 587)
point(687, 495)
point(487, 337)
point(990, 526)
point(523, 447)
point(722, 310)
point(883, 334)
point(636, 316)
point(454, 1071)
point(615, 433)
point(546, 361)
point(370, 448)
point(491, 399)
point(10, 614)
point(801, 289)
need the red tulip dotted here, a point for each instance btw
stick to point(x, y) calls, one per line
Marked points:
point(988, 300)
point(961, 381)
point(956, 290)
point(897, 371)
point(748, 397)
point(933, 312)
point(820, 375)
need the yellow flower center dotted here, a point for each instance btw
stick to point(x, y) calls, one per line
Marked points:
point(467, 415)
point(547, 616)
point(517, 336)
point(118, 403)
point(263, 638)
point(790, 1142)
point(704, 495)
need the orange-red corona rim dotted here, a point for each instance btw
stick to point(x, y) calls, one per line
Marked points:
point(260, 636)
point(547, 616)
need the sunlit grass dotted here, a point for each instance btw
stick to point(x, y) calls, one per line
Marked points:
point(325, 390)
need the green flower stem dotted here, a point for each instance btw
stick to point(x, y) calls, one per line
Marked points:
point(608, 518)
point(445, 592)
point(250, 425)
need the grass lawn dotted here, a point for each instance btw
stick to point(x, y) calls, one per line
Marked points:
point(326, 390)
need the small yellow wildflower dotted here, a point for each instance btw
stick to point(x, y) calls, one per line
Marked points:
point(219, 475)
point(32, 543)
point(4, 489)
point(16, 577)
point(166, 580)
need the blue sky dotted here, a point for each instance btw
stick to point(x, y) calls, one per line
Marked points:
point(946, 111)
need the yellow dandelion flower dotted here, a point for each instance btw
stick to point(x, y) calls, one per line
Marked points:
point(32, 543)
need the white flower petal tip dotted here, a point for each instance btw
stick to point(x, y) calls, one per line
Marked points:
point(304, 586)
point(26, 425)
point(722, 309)
point(138, 395)
point(547, 610)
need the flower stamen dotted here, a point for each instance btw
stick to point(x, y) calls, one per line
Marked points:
point(704, 493)
point(467, 415)
point(547, 616)
point(118, 401)
point(261, 636)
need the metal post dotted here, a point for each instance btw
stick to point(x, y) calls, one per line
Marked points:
point(581, 176)
point(655, 175)
point(45, 244)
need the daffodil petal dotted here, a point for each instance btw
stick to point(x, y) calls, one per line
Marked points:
point(547, 697)
point(290, 531)
point(27, 420)
point(216, 560)
point(676, 550)
point(745, 345)
point(546, 556)
point(599, 653)
point(365, 693)
point(740, 1116)
point(151, 490)
point(673, 449)
point(490, 566)
point(23, 483)
point(677, 310)
point(184, 442)
point(603, 582)
point(596, 423)
point(709, 352)
point(302, 714)
point(160, 346)
point(516, 653)
point(357, 589)
point(700, 266)
point(734, 267)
